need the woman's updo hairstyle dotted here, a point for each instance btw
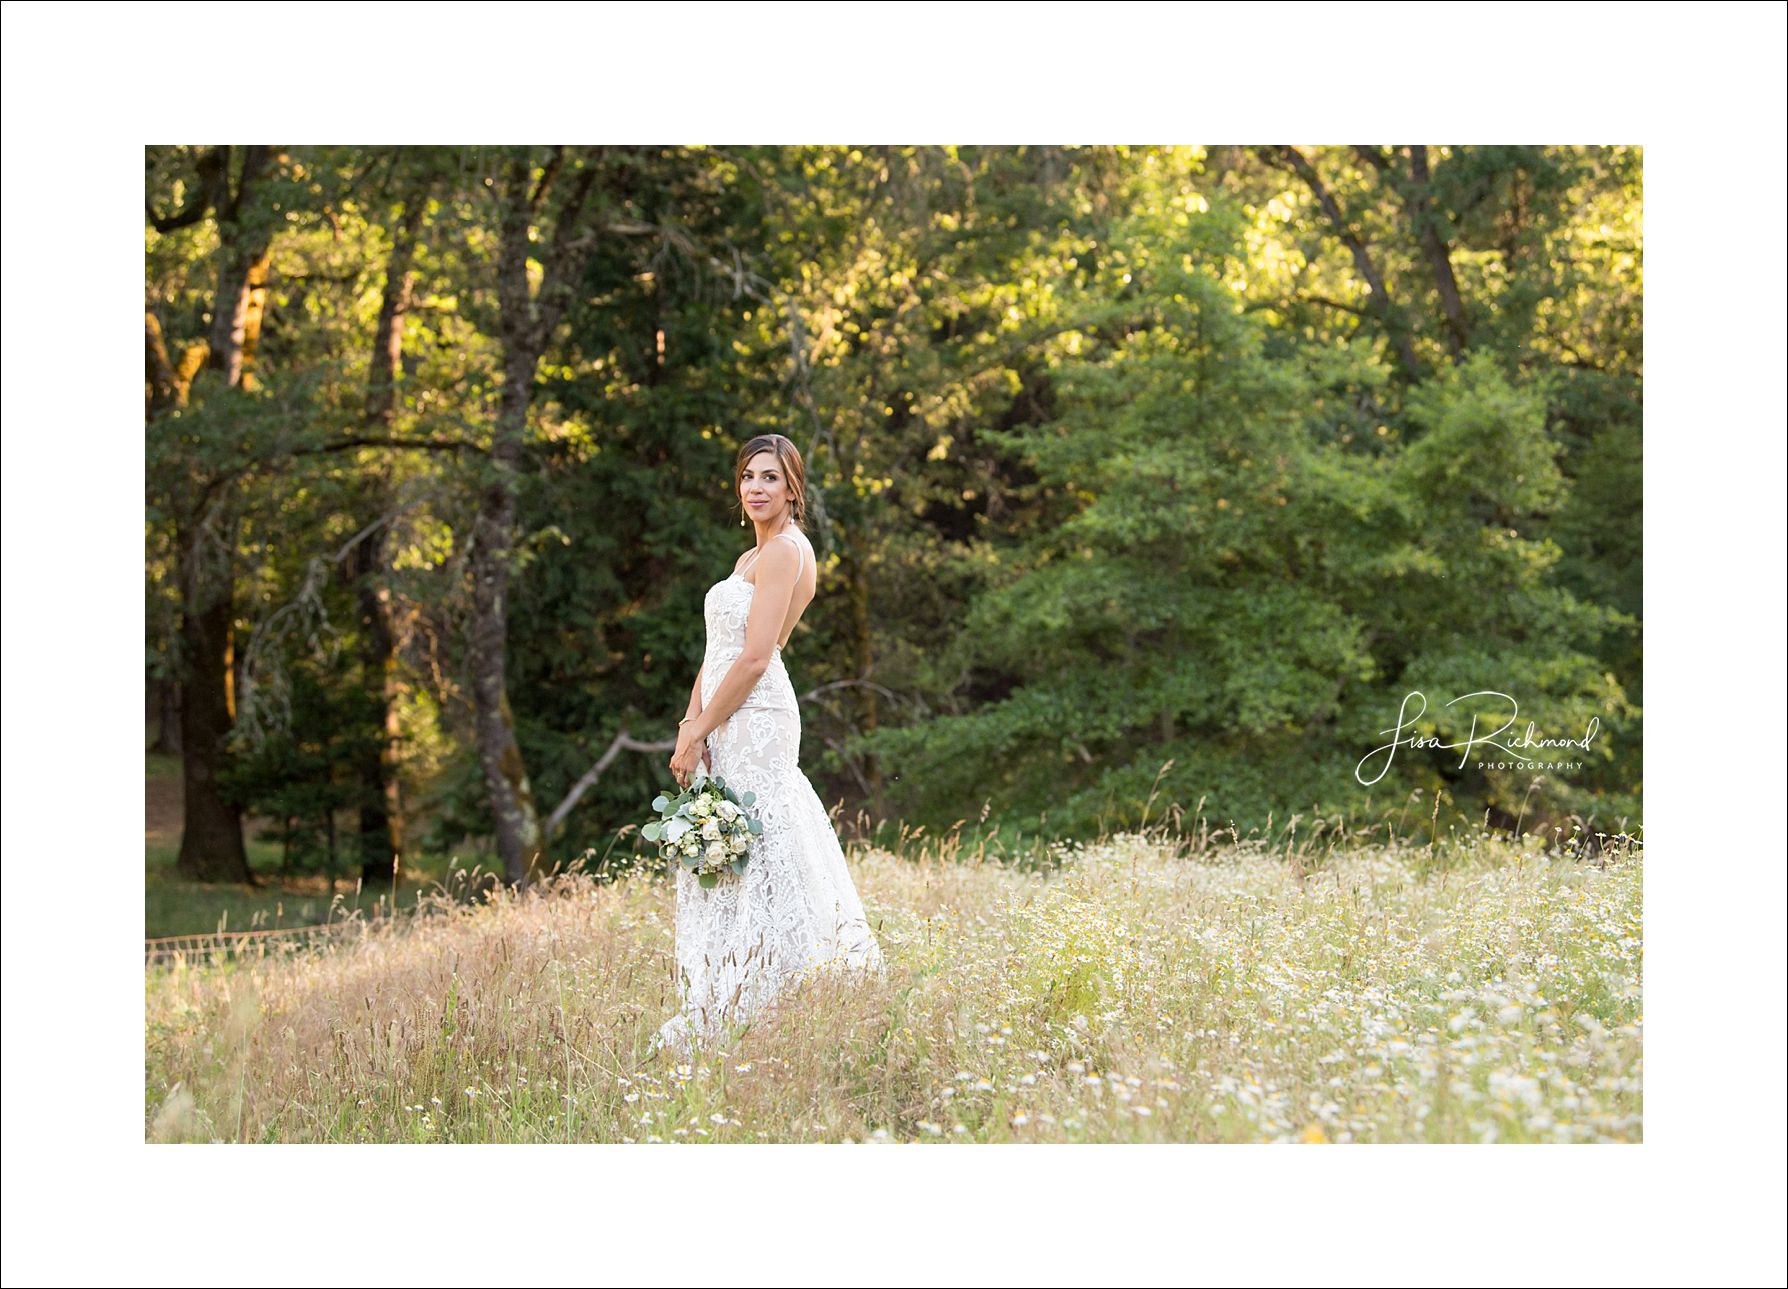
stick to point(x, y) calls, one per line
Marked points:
point(794, 473)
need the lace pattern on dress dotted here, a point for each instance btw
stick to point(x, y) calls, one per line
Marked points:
point(745, 940)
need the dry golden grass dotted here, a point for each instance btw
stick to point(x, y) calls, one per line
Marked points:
point(1145, 990)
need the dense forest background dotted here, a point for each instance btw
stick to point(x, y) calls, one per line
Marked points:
point(1143, 479)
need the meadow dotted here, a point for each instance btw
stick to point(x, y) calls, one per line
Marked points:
point(1148, 986)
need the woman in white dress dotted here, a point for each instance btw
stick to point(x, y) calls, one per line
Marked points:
point(741, 942)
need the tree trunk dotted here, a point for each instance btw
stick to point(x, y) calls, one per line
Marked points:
point(1434, 250)
point(381, 817)
point(526, 322)
point(380, 834)
point(211, 847)
point(163, 708)
point(244, 255)
point(519, 836)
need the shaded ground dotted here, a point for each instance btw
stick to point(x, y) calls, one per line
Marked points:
point(172, 906)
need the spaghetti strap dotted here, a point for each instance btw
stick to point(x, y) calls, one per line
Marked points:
point(799, 546)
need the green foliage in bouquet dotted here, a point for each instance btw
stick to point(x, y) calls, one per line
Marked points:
point(707, 827)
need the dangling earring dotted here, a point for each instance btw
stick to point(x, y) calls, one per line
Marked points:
point(741, 520)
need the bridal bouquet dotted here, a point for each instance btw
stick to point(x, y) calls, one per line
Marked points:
point(707, 828)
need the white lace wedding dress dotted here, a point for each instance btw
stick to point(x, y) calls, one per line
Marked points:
point(742, 942)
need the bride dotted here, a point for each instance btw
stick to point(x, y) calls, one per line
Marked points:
point(742, 941)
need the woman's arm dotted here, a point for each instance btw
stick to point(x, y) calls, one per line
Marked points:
point(695, 708)
point(777, 571)
point(695, 694)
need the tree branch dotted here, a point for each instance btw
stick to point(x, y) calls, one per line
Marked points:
point(263, 688)
point(1341, 305)
point(1440, 260)
point(547, 176)
point(623, 742)
point(377, 441)
point(213, 185)
point(1379, 296)
point(1370, 154)
point(564, 260)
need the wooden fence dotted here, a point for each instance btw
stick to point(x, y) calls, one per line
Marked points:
point(215, 945)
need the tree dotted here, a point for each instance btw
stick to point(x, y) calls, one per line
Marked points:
point(194, 480)
point(526, 320)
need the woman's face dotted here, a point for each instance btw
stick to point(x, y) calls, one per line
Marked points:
point(763, 489)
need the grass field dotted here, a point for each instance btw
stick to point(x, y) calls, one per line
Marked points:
point(1133, 989)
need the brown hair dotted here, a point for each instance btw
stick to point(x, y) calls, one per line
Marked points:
point(794, 473)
